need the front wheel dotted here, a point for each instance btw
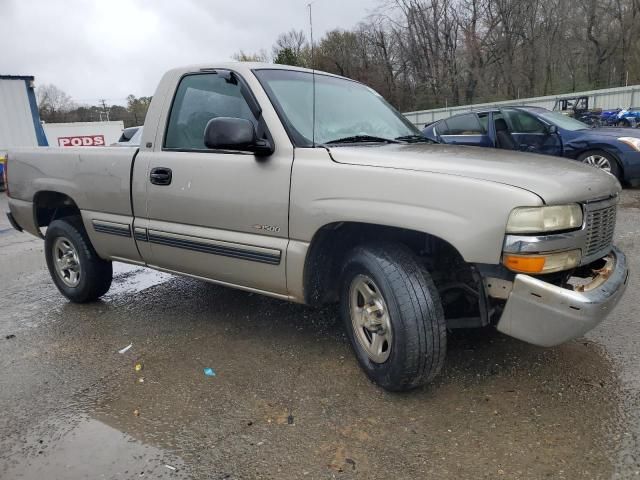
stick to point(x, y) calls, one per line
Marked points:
point(75, 267)
point(602, 160)
point(393, 316)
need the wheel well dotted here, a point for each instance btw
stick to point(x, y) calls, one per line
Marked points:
point(606, 152)
point(332, 242)
point(49, 206)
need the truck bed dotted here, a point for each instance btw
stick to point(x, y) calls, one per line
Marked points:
point(96, 178)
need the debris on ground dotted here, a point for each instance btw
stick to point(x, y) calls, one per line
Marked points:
point(138, 367)
point(290, 420)
point(209, 372)
point(339, 462)
point(125, 349)
point(171, 467)
point(141, 380)
point(136, 412)
point(10, 336)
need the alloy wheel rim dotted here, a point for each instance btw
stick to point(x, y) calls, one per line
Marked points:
point(66, 261)
point(370, 318)
point(598, 161)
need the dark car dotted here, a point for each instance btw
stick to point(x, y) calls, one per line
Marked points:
point(130, 137)
point(538, 130)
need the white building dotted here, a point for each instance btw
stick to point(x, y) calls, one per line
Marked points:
point(19, 118)
point(83, 134)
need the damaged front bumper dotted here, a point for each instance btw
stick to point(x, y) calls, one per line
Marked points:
point(544, 314)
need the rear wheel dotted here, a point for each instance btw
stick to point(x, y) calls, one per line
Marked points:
point(393, 316)
point(602, 160)
point(75, 267)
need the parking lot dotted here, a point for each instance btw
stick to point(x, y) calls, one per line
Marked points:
point(288, 399)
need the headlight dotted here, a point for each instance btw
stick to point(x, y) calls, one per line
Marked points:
point(549, 263)
point(544, 219)
point(631, 141)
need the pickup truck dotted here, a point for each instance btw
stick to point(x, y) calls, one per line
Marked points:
point(310, 187)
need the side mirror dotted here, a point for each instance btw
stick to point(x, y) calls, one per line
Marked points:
point(228, 133)
point(552, 129)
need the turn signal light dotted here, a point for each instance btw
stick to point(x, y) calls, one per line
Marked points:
point(5, 173)
point(549, 263)
point(524, 263)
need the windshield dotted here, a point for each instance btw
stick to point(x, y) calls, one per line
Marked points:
point(345, 110)
point(562, 121)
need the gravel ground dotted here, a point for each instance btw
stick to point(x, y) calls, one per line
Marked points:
point(288, 399)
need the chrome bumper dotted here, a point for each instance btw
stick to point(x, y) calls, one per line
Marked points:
point(546, 315)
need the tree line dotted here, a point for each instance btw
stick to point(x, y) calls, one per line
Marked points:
point(55, 106)
point(423, 54)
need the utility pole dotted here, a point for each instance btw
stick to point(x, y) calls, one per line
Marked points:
point(105, 111)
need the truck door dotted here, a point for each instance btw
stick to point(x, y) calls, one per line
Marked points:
point(214, 214)
point(532, 134)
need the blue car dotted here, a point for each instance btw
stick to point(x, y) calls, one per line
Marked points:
point(628, 117)
point(538, 130)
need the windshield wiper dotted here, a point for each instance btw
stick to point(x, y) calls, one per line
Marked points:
point(414, 139)
point(361, 139)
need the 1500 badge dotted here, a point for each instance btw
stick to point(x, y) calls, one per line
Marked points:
point(268, 228)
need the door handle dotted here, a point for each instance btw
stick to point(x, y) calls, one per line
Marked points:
point(160, 176)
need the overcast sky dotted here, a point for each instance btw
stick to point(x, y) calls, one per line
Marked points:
point(111, 48)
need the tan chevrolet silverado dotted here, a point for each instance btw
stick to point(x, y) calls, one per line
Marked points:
point(311, 188)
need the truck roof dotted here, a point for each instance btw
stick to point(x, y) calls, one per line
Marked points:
point(245, 67)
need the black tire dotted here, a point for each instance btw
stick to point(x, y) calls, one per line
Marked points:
point(95, 273)
point(615, 166)
point(419, 340)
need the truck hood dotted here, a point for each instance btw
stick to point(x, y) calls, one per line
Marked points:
point(554, 179)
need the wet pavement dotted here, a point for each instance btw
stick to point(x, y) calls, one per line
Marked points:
point(288, 399)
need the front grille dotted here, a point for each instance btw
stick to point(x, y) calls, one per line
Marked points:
point(600, 225)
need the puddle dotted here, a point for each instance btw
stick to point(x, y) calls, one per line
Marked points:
point(90, 449)
point(18, 314)
point(134, 279)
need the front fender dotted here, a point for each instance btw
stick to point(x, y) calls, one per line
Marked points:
point(469, 214)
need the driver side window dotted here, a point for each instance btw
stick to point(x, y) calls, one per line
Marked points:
point(198, 99)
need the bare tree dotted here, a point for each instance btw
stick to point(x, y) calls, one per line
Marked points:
point(53, 103)
point(293, 41)
point(430, 53)
point(260, 56)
